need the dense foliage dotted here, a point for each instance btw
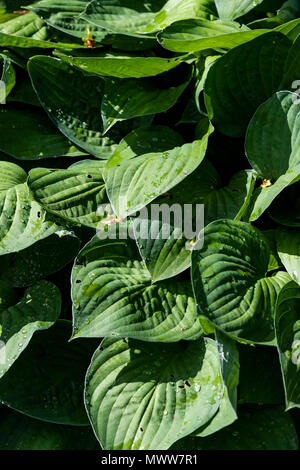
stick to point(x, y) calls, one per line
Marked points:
point(113, 106)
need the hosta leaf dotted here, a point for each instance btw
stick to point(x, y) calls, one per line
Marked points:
point(76, 194)
point(133, 183)
point(200, 34)
point(40, 260)
point(230, 281)
point(235, 8)
point(37, 310)
point(146, 396)
point(122, 17)
point(26, 26)
point(113, 295)
point(287, 327)
point(8, 78)
point(130, 17)
point(62, 91)
point(47, 380)
point(275, 159)
point(40, 435)
point(29, 31)
point(280, 112)
point(229, 361)
point(258, 428)
point(260, 378)
point(288, 247)
point(128, 98)
point(64, 16)
point(245, 77)
point(121, 66)
point(22, 220)
point(32, 138)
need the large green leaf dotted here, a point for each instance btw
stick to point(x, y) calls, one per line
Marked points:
point(18, 432)
point(76, 194)
point(62, 91)
point(258, 428)
point(288, 247)
point(128, 98)
point(22, 220)
point(200, 34)
point(41, 259)
point(275, 157)
point(47, 380)
point(64, 16)
point(121, 66)
point(30, 135)
point(245, 77)
point(137, 18)
point(231, 283)
point(232, 9)
point(29, 31)
point(26, 26)
point(37, 310)
point(287, 327)
point(113, 295)
point(133, 182)
point(146, 396)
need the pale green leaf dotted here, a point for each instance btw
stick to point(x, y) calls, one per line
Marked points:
point(272, 147)
point(142, 396)
point(113, 295)
point(22, 220)
point(200, 34)
point(76, 194)
point(231, 283)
